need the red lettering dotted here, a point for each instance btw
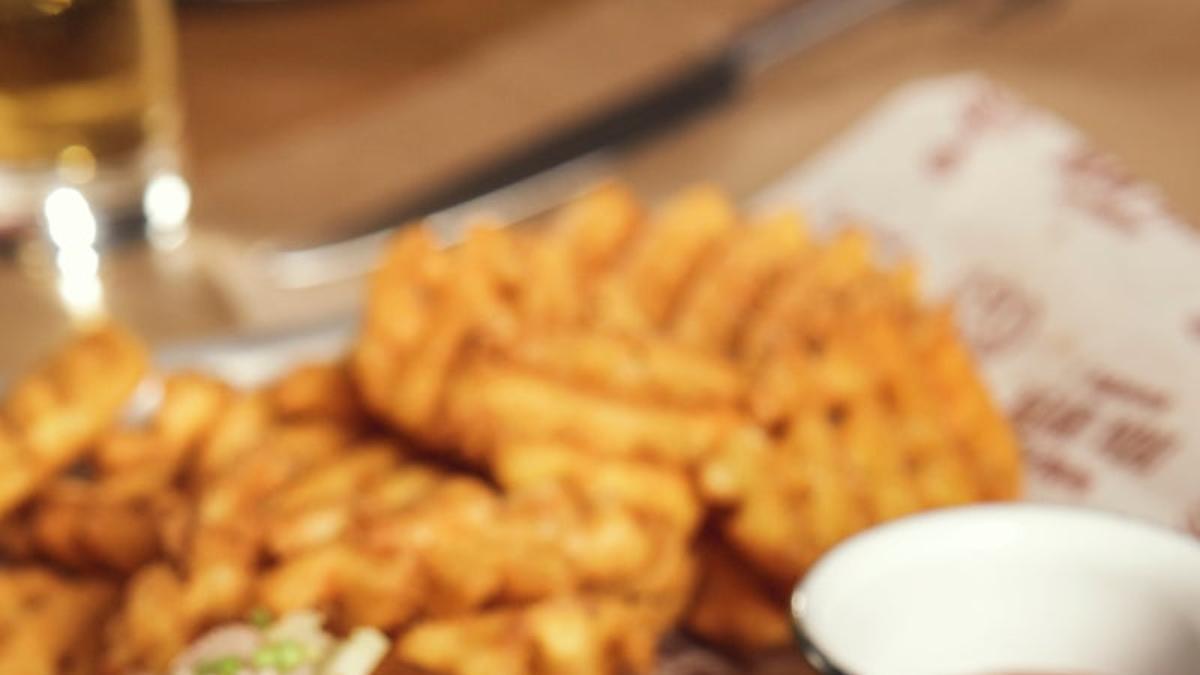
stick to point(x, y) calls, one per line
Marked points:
point(944, 159)
point(1059, 471)
point(1102, 169)
point(1097, 184)
point(1136, 445)
point(991, 108)
point(994, 313)
point(1038, 410)
point(1122, 388)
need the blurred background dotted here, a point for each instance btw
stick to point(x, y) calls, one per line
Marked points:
point(216, 168)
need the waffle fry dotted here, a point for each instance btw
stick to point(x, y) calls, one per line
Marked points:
point(486, 338)
point(460, 544)
point(54, 414)
point(655, 492)
point(47, 623)
point(592, 635)
point(320, 391)
point(733, 606)
point(88, 527)
point(310, 517)
point(803, 391)
point(113, 518)
point(545, 450)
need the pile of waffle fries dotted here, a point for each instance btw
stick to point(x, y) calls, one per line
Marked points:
point(547, 448)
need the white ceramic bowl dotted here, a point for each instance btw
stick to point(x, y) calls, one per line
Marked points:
point(999, 589)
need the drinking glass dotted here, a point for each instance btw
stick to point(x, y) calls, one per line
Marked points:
point(89, 130)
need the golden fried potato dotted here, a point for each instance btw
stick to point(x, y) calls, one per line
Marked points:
point(792, 386)
point(492, 405)
point(868, 409)
point(123, 513)
point(668, 254)
point(47, 622)
point(733, 607)
point(585, 635)
point(710, 313)
point(643, 418)
point(164, 608)
point(371, 538)
point(658, 492)
point(88, 526)
point(646, 371)
point(508, 324)
point(317, 391)
point(191, 406)
point(153, 624)
point(55, 413)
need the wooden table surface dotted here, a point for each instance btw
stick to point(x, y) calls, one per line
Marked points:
point(305, 117)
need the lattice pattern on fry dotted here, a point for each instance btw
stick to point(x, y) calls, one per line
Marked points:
point(512, 336)
point(88, 526)
point(48, 623)
point(121, 514)
point(51, 416)
point(804, 391)
point(733, 605)
point(211, 455)
point(546, 449)
point(868, 408)
point(588, 635)
point(308, 516)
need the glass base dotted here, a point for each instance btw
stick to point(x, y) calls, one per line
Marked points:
point(139, 198)
point(62, 224)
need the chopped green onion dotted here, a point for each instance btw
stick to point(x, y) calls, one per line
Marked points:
point(282, 656)
point(261, 618)
point(288, 655)
point(264, 657)
point(226, 665)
